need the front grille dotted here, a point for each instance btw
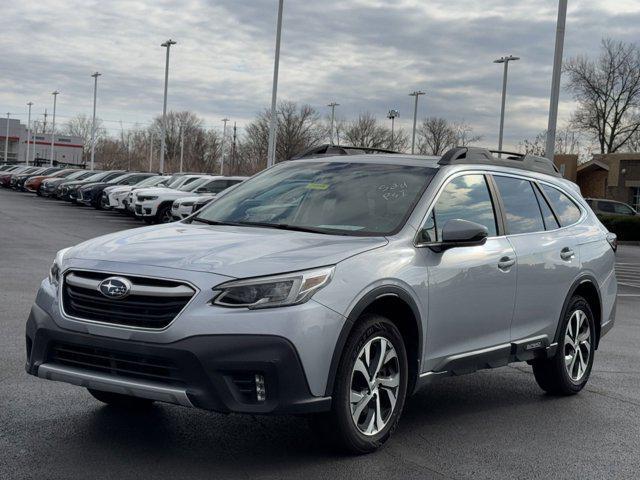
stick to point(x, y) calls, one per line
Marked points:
point(139, 209)
point(151, 303)
point(115, 363)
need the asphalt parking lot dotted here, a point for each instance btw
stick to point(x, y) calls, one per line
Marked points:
point(494, 424)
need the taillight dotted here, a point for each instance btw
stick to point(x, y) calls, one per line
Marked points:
point(612, 238)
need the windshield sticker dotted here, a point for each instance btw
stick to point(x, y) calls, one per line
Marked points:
point(317, 186)
point(393, 191)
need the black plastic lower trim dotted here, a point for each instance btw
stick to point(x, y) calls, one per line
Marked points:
point(206, 366)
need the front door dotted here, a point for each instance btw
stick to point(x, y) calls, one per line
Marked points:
point(471, 290)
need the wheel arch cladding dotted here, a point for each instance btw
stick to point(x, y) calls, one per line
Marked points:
point(587, 287)
point(400, 308)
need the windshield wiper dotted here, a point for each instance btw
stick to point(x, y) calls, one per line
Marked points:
point(285, 226)
point(211, 222)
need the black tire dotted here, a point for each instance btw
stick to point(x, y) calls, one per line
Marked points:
point(337, 427)
point(163, 215)
point(119, 400)
point(551, 374)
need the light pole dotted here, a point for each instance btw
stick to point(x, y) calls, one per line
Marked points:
point(95, 76)
point(181, 145)
point(6, 139)
point(224, 137)
point(167, 45)
point(555, 81)
point(333, 106)
point(28, 131)
point(392, 115)
point(505, 61)
point(271, 150)
point(55, 94)
point(416, 94)
point(150, 152)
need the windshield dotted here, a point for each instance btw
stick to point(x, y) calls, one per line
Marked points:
point(119, 178)
point(194, 184)
point(149, 181)
point(328, 197)
point(78, 174)
point(95, 177)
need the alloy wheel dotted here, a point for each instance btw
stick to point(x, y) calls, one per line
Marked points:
point(166, 216)
point(375, 380)
point(577, 345)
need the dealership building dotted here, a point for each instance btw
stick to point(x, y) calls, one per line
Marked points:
point(67, 149)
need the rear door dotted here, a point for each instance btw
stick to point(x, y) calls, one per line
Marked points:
point(471, 290)
point(547, 256)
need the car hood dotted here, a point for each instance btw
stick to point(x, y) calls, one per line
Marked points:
point(238, 252)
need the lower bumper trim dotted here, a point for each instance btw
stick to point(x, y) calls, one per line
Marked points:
point(108, 383)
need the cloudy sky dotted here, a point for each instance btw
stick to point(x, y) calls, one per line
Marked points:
point(365, 54)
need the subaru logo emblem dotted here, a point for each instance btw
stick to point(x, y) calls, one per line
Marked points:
point(115, 287)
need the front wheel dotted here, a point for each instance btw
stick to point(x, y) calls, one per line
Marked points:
point(164, 214)
point(370, 388)
point(567, 372)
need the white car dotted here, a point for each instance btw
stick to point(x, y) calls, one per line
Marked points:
point(116, 197)
point(153, 205)
point(183, 207)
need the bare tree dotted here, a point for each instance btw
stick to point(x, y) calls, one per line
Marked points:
point(80, 126)
point(436, 135)
point(366, 132)
point(607, 90)
point(298, 128)
point(568, 141)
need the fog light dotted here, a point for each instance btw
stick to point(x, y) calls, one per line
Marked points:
point(261, 393)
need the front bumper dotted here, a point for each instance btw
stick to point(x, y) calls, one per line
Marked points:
point(212, 372)
point(146, 209)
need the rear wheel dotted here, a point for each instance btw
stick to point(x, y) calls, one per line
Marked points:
point(370, 388)
point(119, 400)
point(567, 372)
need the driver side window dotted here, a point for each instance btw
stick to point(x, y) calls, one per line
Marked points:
point(467, 198)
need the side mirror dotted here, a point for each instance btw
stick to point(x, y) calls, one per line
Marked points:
point(461, 233)
point(201, 190)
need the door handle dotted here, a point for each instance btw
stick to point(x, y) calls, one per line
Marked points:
point(506, 263)
point(566, 253)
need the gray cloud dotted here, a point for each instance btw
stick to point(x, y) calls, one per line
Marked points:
point(365, 54)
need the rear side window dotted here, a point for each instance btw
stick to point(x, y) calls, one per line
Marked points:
point(520, 204)
point(467, 198)
point(550, 221)
point(566, 211)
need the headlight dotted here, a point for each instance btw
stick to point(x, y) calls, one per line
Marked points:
point(275, 291)
point(186, 204)
point(54, 271)
point(143, 198)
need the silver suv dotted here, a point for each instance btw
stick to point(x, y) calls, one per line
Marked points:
point(336, 287)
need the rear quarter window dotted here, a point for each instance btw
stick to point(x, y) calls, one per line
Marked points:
point(566, 210)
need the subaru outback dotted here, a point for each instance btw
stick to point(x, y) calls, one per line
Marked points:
point(336, 287)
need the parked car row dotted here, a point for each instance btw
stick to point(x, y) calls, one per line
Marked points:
point(149, 196)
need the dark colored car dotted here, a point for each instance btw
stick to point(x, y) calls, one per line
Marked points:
point(18, 181)
point(91, 194)
point(69, 190)
point(603, 206)
point(48, 187)
point(5, 178)
point(32, 184)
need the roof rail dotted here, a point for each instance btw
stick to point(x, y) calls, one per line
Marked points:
point(328, 150)
point(483, 156)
